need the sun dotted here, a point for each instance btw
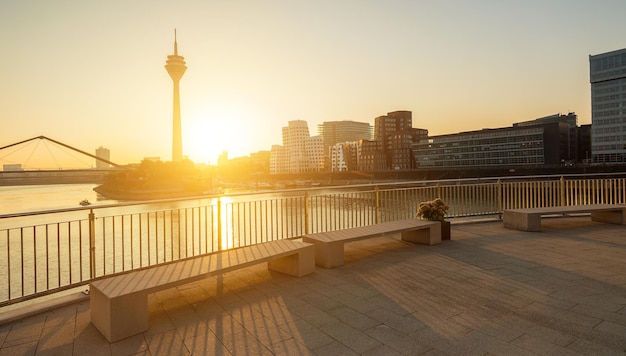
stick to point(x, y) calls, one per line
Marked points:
point(207, 135)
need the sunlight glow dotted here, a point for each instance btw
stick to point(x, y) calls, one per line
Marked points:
point(207, 135)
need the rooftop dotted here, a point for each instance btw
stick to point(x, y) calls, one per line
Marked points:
point(489, 290)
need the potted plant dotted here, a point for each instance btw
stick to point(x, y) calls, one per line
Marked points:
point(435, 210)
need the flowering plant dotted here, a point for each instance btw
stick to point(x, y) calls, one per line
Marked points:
point(434, 210)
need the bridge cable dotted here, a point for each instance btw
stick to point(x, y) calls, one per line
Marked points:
point(31, 154)
point(59, 167)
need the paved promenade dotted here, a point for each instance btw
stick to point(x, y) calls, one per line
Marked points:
point(488, 291)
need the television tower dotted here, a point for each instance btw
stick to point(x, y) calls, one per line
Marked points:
point(175, 66)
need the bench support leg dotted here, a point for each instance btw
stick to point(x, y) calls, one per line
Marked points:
point(119, 318)
point(611, 217)
point(522, 221)
point(328, 255)
point(427, 236)
point(297, 265)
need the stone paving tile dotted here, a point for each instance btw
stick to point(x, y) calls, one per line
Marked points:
point(266, 331)
point(350, 337)
point(609, 314)
point(490, 326)
point(549, 312)
point(537, 330)
point(89, 341)
point(353, 318)
point(4, 332)
point(206, 344)
point(307, 334)
point(224, 324)
point(313, 315)
point(541, 346)
point(478, 342)
point(360, 305)
point(402, 323)
point(335, 348)
point(166, 343)
point(243, 343)
point(158, 321)
point(63, 315)
point(289, 347)
point(130, 346)
point(398, 341)
point(587, 347)
point(320, 301)
point(25, 349)
point(382, 350)
point(57, 339)
point(25, 331)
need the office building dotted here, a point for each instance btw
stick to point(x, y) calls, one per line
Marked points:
point(520, 145)
point(607, 73)
point(571, 120)
point(105, 154)
point(335, 132)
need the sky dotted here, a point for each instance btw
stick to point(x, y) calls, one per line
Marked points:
point(91, 73)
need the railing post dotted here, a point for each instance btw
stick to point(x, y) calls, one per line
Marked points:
point(92, 244)
point(439, 190)
point(306, 213)
point(377, 205)
point(562, 191)
point(500, 198)
point(219, 223)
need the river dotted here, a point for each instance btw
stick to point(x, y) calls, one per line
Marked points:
point(26, 198)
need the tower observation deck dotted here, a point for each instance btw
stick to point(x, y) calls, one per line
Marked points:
point(175, 66)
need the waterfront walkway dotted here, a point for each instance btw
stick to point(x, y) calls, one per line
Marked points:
point(489, 290)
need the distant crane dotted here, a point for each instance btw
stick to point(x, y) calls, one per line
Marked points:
point(66, 146)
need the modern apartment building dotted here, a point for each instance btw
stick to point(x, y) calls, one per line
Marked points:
point(396, 134)
point(279, 164)
point(371, 156)
point(299, 153)
point(337, 132)
point(607, 73)
point(314, 149)
point(344, 156)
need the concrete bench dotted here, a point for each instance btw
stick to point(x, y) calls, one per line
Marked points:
point(530, 219)
point(329, 246)
point(119, 304)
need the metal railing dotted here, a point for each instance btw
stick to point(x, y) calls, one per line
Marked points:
point(45, 252)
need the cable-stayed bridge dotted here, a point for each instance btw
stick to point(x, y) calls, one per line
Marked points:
point(29, 162)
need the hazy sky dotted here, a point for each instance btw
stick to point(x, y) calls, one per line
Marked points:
point(90, 73)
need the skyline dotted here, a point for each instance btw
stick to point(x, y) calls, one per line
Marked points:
point(92, 74)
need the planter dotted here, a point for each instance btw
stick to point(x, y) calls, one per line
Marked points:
point(445, 230)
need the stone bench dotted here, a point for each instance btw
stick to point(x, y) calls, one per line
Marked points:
point(329, 246)
point(119, 304)
point(530, 219)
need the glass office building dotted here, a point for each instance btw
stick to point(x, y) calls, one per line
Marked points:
point(607, 73)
